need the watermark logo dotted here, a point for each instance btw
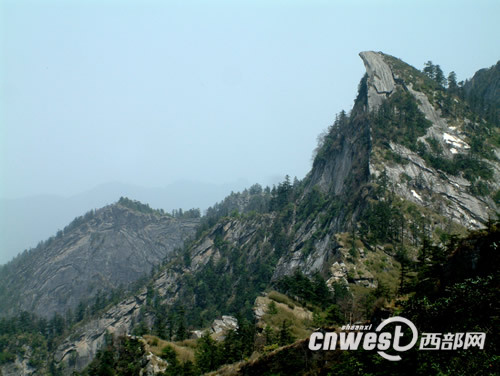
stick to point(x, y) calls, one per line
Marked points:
point(403, 337)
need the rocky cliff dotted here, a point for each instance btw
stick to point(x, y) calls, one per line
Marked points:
point(410, 163)
point(482, 92)
point(107, 248)
point(403, 148)
point(435, 171)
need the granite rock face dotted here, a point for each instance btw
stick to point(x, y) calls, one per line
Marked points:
point(351, 163)
point(446, 194)
point(20, 366)
point(84, 344)
point(485, 84)
point(114, 246)
point(380, 78)
point(121, 318)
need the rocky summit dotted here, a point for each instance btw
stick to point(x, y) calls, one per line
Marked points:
point(442, 166)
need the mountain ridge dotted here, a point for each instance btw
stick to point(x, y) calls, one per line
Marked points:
point(399, 172)
point(24, 221)
point(356, 176)
point(100, 251)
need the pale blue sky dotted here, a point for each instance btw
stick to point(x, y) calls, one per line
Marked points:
point(148, 93)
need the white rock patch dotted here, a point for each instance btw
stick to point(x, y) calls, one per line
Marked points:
point(416, 195)
point(455, 141)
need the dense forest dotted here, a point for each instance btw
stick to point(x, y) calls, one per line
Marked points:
point(445, 294)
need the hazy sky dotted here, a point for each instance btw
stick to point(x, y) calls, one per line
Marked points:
point(150, 92)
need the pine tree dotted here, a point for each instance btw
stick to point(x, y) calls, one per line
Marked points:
point(181, 332)
point(271, 308)
point(439, 76)
point(207, 355)
point(430, 70)
point(269, 335)
point(285, 336)
point(452, 82)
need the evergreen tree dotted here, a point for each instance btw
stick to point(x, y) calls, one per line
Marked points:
point(271, 308)
point(269, 335)
point(207, 354)
point(452, 82)
point(430, 70)
point(181, 332)
point(285, 336)
point(174, 367)
point(439, 76)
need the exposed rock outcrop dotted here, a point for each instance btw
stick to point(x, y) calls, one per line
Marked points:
point(380, 78)
point(483, 92)
point(224, 324)
point(219, 328)
point(414, 179)
point(21, 366)
point(112, 247)
point(84, 344)
point(154, 365)
point(427, 184)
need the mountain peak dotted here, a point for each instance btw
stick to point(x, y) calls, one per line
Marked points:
point(112, 246)
point(380, 79)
